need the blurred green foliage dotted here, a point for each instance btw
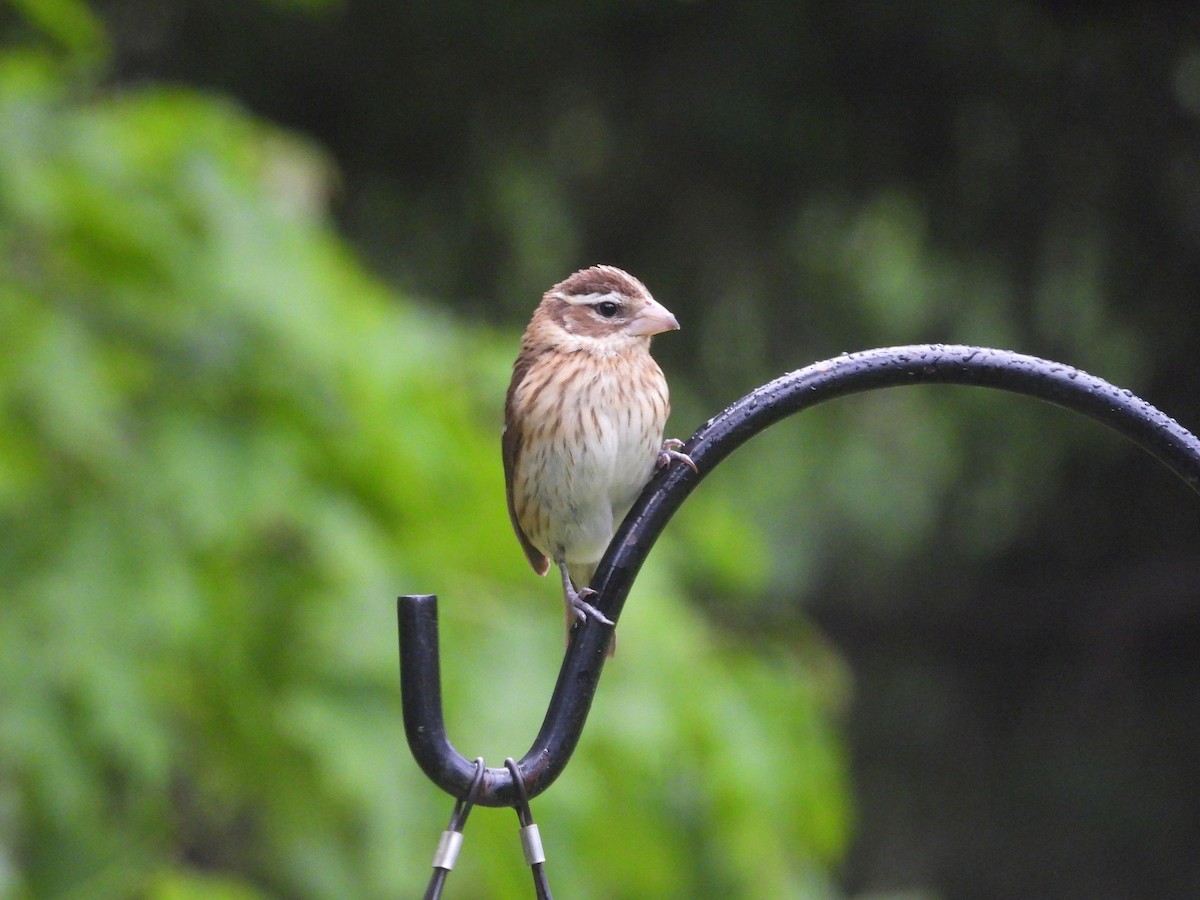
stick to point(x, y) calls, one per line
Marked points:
point(224, 449)
point(1013, 587)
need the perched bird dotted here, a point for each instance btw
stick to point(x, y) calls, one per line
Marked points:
point(583, 424)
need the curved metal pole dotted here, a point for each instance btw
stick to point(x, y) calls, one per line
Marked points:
point(1150, 429)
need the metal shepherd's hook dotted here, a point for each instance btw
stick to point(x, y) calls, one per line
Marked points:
point(1054, 382)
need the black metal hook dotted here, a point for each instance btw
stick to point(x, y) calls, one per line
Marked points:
point(1056, 383)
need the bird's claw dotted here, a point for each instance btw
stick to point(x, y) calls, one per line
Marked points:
point(582, 609)
point(670, 451)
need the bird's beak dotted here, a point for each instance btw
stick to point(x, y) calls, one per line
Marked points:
point(654, 319)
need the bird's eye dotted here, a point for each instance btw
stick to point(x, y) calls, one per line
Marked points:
point(608, 308)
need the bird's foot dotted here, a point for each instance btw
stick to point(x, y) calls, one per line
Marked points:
point(581, 609)
point(670, 451)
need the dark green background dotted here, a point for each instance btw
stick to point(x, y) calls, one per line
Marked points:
point(936, 640)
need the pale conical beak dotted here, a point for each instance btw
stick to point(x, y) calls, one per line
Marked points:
point(654, 319)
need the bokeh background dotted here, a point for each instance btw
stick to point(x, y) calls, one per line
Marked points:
point(263, 267)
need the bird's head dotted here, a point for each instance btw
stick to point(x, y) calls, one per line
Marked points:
point(602, 308)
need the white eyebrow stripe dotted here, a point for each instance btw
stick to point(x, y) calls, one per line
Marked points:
point(590, 299)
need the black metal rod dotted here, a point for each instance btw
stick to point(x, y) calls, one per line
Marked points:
point(1158, 434)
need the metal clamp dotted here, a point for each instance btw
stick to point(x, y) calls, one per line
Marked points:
point(451, 840)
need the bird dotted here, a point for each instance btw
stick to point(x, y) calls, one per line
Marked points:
point(583, 424)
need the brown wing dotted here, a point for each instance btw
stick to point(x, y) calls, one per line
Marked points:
point(511, 447)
